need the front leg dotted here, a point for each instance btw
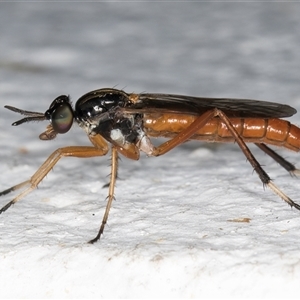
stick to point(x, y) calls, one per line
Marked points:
point(45, 168)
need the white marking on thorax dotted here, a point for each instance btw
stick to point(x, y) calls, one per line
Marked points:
point(117, 136)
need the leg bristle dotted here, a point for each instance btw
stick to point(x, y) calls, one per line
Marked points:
point(282, 195)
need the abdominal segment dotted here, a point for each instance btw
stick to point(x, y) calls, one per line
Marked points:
point(253, 130)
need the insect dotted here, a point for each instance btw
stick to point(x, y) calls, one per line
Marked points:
point(128, 121)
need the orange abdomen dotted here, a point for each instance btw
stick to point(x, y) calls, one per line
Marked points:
point(253, 130)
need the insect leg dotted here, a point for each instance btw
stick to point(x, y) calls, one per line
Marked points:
point(11, 189)
point(113, 177)
point(279, 159)
point(45, 168)
point(185, 134)
point(264, 177)
point(14, 188)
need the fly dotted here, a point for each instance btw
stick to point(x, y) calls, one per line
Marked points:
point(128, 122)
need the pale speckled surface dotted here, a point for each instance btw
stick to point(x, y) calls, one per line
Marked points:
point(169, 232)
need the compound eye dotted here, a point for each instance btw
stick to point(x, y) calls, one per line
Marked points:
point(62, 118)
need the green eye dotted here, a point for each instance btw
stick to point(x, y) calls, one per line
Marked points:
point(62, 118)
